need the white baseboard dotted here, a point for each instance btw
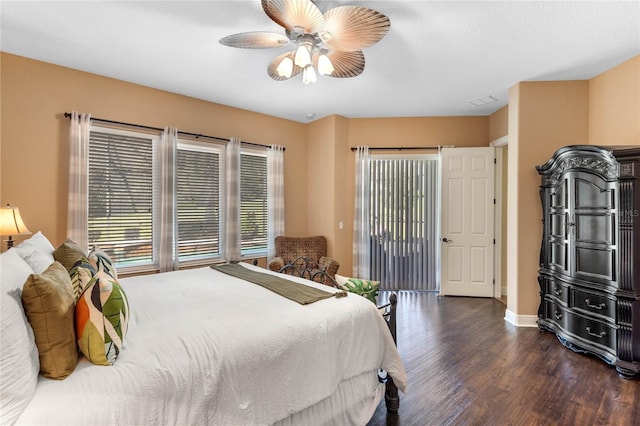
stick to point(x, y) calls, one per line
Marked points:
point(521, 320)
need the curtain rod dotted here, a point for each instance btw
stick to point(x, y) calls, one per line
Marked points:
point(398, 148)
point(140, 126)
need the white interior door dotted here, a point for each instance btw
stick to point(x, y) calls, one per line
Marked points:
point(467, 221)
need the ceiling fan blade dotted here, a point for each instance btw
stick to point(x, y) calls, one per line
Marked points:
point(294, 13)
point(346, 64)
point(272, 69)
point(255, 40)
point(353, 28)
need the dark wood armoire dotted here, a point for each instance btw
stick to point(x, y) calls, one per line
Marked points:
point(589, 286)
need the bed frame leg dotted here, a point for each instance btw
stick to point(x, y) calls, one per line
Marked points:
point(391, 397)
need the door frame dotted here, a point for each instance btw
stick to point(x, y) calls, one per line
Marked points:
point(499, 181)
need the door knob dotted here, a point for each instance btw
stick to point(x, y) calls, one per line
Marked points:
point(445, 240)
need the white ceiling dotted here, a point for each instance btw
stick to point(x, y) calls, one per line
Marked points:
point(437, 56)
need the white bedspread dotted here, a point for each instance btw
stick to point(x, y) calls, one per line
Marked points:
point(207, 348)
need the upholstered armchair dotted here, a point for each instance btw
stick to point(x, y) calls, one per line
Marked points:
point(307, 253)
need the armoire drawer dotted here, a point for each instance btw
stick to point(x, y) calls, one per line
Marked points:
point(594, 304)
point(555, 289)
point(593, 331)
point(559, 291)
point(590, 332)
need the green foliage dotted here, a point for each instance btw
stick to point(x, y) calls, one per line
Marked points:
point(365, 288)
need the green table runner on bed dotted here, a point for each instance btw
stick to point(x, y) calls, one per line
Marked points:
point(286, 288)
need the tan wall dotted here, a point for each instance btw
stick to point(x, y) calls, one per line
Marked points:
point(419, 131)
point(328, 151)
point(540, 117)
point(543, 116)
point(403, 132)
point(343, 203)
point(331, 140)
point(320, 168)
point(35, 151)
point(499, 123)
point(614, 105)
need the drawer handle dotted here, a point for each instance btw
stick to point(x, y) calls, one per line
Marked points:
point(558, 315)
point(557, 291)
point(598, 335)
point(599, 307)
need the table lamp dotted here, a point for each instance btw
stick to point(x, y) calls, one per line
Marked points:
point(11, 224)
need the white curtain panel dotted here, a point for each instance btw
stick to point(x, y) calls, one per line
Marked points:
point(232, 231)
point(78, 204)
point(275, 197)
point(167, 256)
point(361, 222)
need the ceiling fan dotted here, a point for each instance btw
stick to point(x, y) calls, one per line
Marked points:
point(330, 43)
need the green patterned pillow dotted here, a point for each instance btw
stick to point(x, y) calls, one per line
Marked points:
point(364, 288)
point(102, 261)
point(102, 317)
point(81, 273)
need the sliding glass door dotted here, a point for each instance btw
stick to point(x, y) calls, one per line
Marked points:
point(404, 221)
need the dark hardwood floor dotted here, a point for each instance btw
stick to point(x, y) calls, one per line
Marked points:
point(467, 366)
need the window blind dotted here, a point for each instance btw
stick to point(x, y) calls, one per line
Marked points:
point(121, 196)
point(124, 197)
point(253, 204)
point(198, 203)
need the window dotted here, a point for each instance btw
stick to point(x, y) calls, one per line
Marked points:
point(253, 203)
point(125, 199)
point(121, 198)
point(198, 200)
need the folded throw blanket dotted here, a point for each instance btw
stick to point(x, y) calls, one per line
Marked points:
point(286, 288)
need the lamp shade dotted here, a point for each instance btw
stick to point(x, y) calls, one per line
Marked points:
point(11, 222)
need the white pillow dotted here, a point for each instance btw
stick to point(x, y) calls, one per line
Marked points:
point(36, 242)
point(37, 251)
point(38, 261)
point(341, 280)
point(19, 362)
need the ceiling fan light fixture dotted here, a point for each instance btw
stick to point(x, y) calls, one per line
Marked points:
point(327, 43)
point(303, 55)
point(285, 68)
point(309, 75)
point(325, 67)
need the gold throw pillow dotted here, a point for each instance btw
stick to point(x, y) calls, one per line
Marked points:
point(48, 301)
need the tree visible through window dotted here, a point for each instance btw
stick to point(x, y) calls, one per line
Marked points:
point(121, 196)
point(253, 203)
point(198, 202)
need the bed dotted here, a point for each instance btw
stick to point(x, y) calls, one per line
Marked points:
point(204, 347)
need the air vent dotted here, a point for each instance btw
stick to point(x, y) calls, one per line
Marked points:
point(483, 101)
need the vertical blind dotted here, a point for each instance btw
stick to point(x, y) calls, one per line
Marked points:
point(404, 221)
point(121, 196)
